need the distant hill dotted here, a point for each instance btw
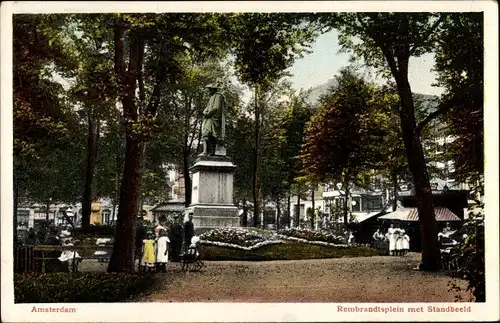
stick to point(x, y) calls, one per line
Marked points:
point(429, 101)
point(318, 91)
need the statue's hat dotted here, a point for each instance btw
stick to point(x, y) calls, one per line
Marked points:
point(212, 86)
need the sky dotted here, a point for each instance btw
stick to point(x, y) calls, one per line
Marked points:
point(325, 61)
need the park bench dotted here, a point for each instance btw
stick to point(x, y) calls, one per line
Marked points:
point(45, 258)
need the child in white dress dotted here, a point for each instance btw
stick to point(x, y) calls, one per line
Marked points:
point(162, 250)
point(399, 242)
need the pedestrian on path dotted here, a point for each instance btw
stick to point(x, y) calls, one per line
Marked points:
point(162, 245)
point(391, 236)
point(148, 251)
point(406, 243)
point(176, 239)
point(188, 232)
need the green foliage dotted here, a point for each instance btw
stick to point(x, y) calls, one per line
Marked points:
point(39, 110)
point(345, 133)
point(79, 287)
point(380, 37)
point(286, 251)
point(266, 44)
point(240, 148)
point(460, 67)
point(470, 252)
point(298, 113)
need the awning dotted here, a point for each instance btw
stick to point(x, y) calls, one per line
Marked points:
point(411, 214)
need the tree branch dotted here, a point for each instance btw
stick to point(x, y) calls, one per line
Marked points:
point(443, 109)
point(119, 30)
point(429, 32)
point(155, 96)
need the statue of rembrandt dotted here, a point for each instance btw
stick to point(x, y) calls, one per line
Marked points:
point(213, 127)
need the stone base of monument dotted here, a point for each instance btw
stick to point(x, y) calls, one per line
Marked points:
point(212, 193)
point(214, 216)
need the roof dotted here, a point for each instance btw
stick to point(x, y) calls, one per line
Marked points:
point(411, 214)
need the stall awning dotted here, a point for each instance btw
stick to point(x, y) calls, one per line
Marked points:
point(411, 214)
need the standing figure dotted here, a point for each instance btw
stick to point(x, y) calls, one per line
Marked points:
point(176, 234)
point(32, 238)
point(213, 128)
point(162, 251)
point(188, 232)
point(378, 238)
point(391, 236)
point(140, 235)
point(399, 242)
point(148, 251)
point(406, 243)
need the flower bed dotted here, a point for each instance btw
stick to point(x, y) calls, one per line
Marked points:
point(236, 238)
point(306, 235)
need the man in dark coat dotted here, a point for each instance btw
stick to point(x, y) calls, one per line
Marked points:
point(140, 234)
point(176, 234)
point(188, 232)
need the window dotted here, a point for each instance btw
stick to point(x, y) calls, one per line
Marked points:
point(106, 215)
point(339, 203)
point(23, 218)
point(356, 204)
point(371, 203)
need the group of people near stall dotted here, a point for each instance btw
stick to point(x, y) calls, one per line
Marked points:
point(166, 244)
point(396, 240)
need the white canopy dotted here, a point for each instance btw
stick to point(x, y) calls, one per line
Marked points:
point(411, 214)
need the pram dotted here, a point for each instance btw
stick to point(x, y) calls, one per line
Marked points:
point(192, 257)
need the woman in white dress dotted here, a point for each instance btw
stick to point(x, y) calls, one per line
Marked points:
point(406, 243)
point(391, 236)
point(162, 251)
point(399, 241)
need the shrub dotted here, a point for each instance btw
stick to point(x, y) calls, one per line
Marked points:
point(312, 235)
point(79, 287)
point(469, 253)
point(96, 230)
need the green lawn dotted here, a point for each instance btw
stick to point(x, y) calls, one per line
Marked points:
point(287, 251)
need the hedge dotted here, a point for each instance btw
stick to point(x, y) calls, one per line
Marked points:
point(80, 287)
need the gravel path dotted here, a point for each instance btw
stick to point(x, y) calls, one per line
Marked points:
point(364, 279)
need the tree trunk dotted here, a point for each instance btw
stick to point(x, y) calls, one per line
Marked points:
point(123, 248)
point(16, 205)
point(186, 150)
point(278, 213)
point(92, 149)
point(244, 219)
point(288, 207)
point(256, 157)
point(117, 180)
point(185, 170)
point(346, 204)
point(313, 209)
point(431, 256)
point(122, 258)
point(47, 210)
point(297, 214)
point(395, 191)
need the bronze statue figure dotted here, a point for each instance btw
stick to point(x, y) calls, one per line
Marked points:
point(213, 126)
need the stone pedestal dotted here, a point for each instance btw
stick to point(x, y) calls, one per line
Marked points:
point(212, 193)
